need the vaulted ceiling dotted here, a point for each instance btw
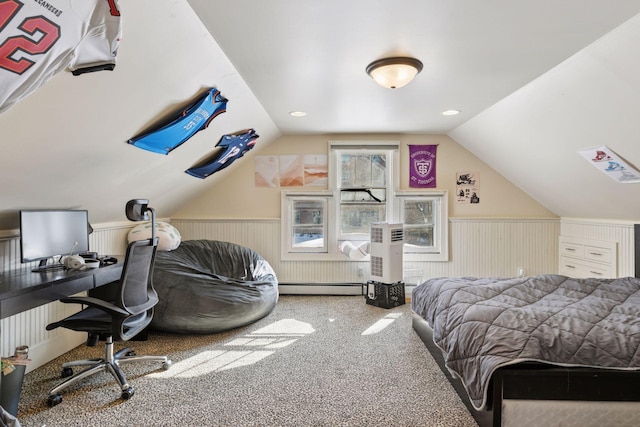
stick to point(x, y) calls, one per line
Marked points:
point(312, 55)
point(535, 81)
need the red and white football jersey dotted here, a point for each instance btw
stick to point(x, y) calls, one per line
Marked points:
point(39, 38)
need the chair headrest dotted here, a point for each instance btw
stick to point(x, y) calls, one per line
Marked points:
point(137, 210)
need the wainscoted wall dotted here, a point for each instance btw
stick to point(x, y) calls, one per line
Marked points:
point(478, 247)
point(28, 328)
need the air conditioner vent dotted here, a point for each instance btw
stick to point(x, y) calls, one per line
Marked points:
point(376, 235)
point(377, 266)
point(397, 235)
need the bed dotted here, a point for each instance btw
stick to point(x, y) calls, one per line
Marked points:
point(536, 345)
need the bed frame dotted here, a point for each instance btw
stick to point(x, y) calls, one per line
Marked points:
point(536, 382)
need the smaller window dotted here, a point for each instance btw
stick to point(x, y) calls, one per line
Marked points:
point(305, 224)
point(308, 229)
point(419, 223)
point(425, 222)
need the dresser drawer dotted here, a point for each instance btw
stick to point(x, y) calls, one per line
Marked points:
point(599, 254)
point(571, 249)
point(587, 258)
point(580, 269)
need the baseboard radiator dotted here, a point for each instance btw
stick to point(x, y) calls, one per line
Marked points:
point(320, 288)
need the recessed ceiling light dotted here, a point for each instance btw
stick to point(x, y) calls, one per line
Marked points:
point(297, 113)
point(450, 112)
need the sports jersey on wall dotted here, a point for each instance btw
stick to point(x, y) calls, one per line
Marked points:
point(38, 39)
point(184, 124)
point(234, 146)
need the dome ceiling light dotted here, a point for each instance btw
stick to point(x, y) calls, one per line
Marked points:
point(394, 72)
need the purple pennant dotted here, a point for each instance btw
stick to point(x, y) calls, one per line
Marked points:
point(422, 166)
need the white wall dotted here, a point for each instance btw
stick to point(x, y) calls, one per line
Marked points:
point(532, 136)
point(238, 196)
point(478, 247)
point(65, 145)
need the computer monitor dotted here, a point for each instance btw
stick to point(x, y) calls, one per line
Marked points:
point(45, 234)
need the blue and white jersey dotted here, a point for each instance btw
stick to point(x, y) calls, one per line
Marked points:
point(38, 39)
point(188, 122)
point(234, 146)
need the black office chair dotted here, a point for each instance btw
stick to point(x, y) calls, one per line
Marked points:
point(119, 320)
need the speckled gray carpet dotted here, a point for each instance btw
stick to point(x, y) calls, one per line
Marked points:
point(314, 361)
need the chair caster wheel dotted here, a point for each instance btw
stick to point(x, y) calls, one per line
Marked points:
point(130, 353)
point(126, 394)
point(66, 372)
point(166, 365)
point(54, 400)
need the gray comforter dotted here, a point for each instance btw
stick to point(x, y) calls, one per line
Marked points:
point(483, 324)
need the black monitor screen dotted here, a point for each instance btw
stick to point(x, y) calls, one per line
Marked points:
point(45, 234)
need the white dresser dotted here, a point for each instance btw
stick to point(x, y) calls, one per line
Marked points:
point(587, 258)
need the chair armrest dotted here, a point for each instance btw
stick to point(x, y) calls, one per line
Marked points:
point(97, 303)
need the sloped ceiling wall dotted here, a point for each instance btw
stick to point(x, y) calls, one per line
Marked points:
point(65, 146)
point(532, 136)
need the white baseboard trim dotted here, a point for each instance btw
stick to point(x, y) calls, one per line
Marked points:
point(46, 351)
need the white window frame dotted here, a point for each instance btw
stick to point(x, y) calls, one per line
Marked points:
point(395, 203)
point(290, 253)
point(391, 150)
point(440, 249)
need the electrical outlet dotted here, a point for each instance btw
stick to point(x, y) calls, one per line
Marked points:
point(360, 272)
point(521, 272)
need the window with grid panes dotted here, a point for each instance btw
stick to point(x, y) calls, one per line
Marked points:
point(364, 190)
point(424, 215)
point(363, 182)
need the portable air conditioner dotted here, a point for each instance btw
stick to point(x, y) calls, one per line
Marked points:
point(386, 252)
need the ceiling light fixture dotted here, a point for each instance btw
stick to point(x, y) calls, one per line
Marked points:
point(450, 112)
point(297, 113)
point(394, 72)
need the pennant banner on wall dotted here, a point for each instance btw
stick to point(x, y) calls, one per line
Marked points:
point(422, 166)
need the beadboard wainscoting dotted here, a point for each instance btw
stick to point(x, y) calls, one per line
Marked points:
point(478, 247)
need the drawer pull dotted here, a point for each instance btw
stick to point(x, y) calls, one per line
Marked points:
point(597, 273)
point(570, 249)
point(595, 253)
point(570, 266)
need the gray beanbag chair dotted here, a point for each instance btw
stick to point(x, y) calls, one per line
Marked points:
point(208, 286)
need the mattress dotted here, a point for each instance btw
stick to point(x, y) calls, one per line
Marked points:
point(482, 324)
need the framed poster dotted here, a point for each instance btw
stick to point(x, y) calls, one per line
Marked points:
point(468, 187)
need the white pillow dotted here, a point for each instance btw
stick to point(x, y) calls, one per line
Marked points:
point(169, 236)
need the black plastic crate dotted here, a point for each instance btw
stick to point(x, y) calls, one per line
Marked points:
point(385, 295)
